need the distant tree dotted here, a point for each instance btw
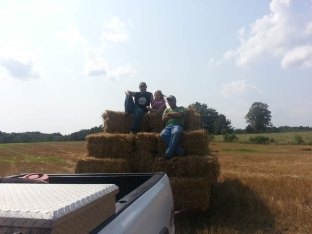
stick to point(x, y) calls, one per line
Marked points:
point(43, 137)
point(222, 125)
point(212, 121)
point(259, 116)
point(249, 129)
point(81, 135)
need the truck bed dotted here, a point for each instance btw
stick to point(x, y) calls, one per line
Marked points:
point(131, 187)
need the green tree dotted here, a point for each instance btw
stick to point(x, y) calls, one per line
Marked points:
point(222, 125)
point(259, 116)
point(212, 121)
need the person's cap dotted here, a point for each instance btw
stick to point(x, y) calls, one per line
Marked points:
point(171, 97)
point(142, 84)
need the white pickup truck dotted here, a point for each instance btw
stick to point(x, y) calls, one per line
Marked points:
point(87, 203)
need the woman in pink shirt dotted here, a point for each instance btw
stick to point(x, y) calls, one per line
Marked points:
point(159, 103)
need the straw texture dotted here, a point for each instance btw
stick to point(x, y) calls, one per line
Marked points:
point(189, 166)
point(191, 193)
point(108, 145)
point(87, 164)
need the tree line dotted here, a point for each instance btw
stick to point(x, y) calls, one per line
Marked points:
point(258, 119)
point(27, 137)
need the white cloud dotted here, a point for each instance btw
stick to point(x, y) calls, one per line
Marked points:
point(214, 62)
point(236, 88)
point(73, 36)
point(115, 31)
point(121, 72)
point(17, 62)
point(282, 34)
point(97, 66)
point(299, 56)
point(308, 29)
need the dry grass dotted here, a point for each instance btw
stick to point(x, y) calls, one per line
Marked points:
point(285, 138)
point(51, 157)
point(261, 189)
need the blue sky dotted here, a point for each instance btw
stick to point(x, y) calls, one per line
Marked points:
point(64, 62)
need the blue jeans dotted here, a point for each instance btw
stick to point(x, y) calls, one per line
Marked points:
point(132, 108)
point(171, 135)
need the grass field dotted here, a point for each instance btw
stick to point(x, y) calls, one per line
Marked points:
point(261, 189)
point(278, 138)
point(50, 157)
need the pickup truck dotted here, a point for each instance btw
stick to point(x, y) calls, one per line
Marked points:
point(142, 203)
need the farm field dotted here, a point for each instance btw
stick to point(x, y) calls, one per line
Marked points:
point(261, 188)
point(47, 157)
point(285, 138)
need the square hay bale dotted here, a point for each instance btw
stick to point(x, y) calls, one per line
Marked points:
point(142, 161)
point(189, 166)
point(161, 146)
point(116, 122)
point(155, 123)
point(88, 164)
point(147, 141)
point(191, 193)
point(109, 145)
point(192, 120)
point(195, 142)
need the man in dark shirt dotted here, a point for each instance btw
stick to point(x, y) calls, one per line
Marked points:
point(137, 107)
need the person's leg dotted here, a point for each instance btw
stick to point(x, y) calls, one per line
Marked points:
point(176, 133)
point(129, 104)
point(138, 114)
point(166, 134)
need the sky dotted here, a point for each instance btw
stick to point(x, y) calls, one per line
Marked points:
point(64, 62)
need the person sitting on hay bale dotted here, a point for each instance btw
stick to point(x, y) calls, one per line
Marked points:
point(137, 107)
point(171, 134)
point(158, 104)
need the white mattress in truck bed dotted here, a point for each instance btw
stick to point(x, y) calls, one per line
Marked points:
point(55, 208)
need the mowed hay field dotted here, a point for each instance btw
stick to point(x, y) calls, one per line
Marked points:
point(261, 188)
point(47, 157)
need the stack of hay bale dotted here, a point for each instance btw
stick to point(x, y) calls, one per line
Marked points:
point(116, 151)
point(107, 153)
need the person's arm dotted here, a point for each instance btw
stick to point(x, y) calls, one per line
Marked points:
point(175, 114)
point(150, 107)
point(165, 117)
point(130, 93)
point(151, 98)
